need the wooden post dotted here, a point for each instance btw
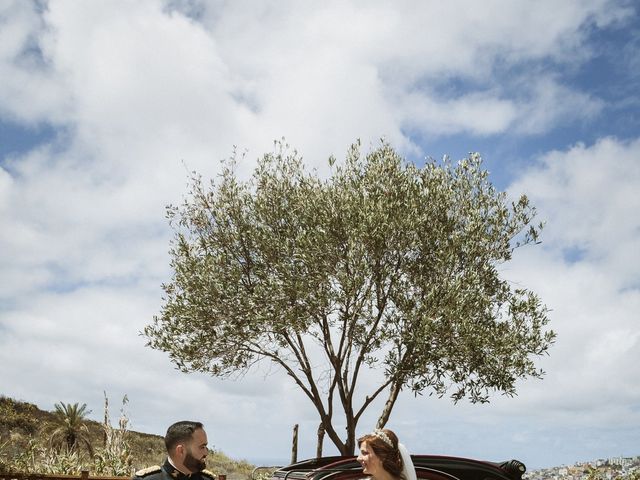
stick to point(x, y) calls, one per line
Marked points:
point(320, 440)
point(294, 447)
point(84, 475)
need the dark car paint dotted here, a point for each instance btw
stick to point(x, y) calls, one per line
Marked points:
point(429, 467)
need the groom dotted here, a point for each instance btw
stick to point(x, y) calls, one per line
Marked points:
point(187, 451)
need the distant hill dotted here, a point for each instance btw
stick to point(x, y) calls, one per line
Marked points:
point(22, 422)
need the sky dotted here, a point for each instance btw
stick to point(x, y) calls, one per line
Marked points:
point(106, 106)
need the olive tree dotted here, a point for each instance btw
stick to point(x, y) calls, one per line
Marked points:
point(380, 264)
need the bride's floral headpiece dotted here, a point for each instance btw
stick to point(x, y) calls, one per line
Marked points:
point(382, 436)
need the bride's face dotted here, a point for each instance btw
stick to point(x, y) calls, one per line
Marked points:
point(371, 463)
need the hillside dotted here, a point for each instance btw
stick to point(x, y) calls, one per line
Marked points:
point(22, 427)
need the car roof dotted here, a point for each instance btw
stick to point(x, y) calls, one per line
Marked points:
point(428, 467)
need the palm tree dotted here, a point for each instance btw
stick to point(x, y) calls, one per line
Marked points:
point(70, 428)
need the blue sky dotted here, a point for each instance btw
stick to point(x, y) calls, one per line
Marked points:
point(106, 105)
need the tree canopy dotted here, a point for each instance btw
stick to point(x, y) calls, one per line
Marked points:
point(382, 264)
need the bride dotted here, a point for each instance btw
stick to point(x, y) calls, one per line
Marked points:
point(383, 458)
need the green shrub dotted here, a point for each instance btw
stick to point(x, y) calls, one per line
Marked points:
point(18, 415)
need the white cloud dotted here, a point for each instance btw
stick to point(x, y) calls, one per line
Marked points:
point(5, 185)
point(405, 48)
point(341, 68)
point(29, 92)
point(549, 104)
point(587, 195)
point(476, 113)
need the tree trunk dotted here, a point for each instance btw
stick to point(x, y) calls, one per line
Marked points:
point(350, 444)
point(350, 441)
point(396, 387)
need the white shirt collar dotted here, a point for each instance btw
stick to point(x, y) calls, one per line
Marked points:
point(174, 466)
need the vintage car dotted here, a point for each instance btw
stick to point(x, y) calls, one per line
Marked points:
point(430, 467)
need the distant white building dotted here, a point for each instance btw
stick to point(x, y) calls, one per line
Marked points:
point(621, 461)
